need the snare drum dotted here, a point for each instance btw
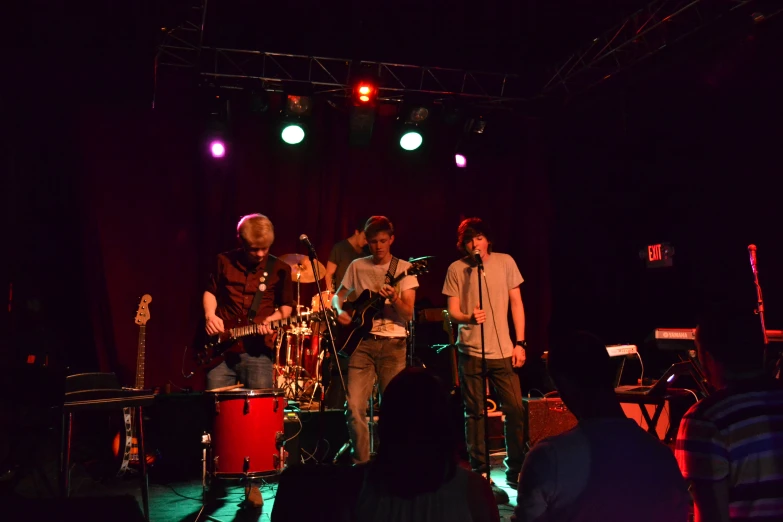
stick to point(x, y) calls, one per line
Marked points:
point(247, 434)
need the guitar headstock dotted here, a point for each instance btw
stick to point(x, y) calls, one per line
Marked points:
point(448, 326)
point(418, 266)
point(143, 312)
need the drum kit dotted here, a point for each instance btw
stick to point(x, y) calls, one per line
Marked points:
point(298, 354)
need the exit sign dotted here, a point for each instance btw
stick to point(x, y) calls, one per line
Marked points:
point(657, 255)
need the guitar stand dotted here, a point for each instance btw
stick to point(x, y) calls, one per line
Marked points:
point(316, 381)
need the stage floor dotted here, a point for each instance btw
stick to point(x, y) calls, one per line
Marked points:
point(181, 501)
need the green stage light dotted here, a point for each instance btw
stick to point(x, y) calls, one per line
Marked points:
point(411, 140)
point(292, 134)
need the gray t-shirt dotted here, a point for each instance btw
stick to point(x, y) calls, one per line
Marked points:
point(341, 255)
point(502, 275)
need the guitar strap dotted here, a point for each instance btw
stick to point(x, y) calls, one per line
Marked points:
point(390, 277)
point(262, 287)
point(392, 270)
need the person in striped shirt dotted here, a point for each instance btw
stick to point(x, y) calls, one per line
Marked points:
point(730, 445)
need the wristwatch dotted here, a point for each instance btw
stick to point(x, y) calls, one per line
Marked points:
point(523, 344)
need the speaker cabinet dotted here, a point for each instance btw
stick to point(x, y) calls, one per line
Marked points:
point(545, 418)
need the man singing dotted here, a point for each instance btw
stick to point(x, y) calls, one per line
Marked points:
point(500, 283)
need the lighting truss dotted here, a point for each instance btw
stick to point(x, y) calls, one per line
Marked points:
point(647, 31)
point(182, 47)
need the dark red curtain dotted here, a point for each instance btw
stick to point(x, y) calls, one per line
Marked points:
point(157, 210)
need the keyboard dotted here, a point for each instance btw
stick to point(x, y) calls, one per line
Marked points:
point(689, 334)
point(618, 350)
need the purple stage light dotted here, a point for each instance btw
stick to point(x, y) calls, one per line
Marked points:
point(460, 160)
point(217, 148)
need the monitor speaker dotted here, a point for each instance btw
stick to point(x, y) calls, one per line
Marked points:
point(544, 418)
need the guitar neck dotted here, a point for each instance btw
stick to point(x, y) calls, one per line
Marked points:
point(141, 356)
point(253, 328)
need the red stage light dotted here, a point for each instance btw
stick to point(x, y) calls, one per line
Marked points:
point(365, 92)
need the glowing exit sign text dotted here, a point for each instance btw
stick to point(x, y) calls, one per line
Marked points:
point(657, 255)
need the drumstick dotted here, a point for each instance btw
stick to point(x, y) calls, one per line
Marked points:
point(227, 388)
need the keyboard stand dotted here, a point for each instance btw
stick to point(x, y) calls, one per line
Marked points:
point(659, 401)
point(106, 399)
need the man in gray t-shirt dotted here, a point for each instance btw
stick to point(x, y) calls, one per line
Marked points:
point(500, 291)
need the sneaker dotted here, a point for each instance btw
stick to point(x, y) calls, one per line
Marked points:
point(253, 497)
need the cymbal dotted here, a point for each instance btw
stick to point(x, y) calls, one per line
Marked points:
point(300, 264)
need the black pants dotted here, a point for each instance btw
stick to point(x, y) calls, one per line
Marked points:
point(506, 384)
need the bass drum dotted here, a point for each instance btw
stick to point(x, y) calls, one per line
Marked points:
point(247, 433)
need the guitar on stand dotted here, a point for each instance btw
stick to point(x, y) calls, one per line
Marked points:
point(125, 441)
point(448, 327)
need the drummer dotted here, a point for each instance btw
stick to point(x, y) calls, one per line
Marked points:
point(341, 256)
point(343, 253)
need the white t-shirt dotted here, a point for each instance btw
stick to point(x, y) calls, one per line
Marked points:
point(502, 275)
point(363, 274)
point(603, 470)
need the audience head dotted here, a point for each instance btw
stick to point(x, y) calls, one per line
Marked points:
point(729, 342)
point(418, 440)
point(581, 370)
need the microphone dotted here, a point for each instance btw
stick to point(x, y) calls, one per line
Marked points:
point(477, 257)
point(342, 451)
point(306, 240)
point(752, 252)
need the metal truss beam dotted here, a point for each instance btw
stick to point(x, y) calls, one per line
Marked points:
point(644, 33)
point(335, 75)
point(182, 47)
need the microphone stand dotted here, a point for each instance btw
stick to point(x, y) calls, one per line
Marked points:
point(484, 371)
point(759, 301)
point(321, 405)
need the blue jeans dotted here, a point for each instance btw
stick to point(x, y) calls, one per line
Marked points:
point(372, 358)
point(501, 377)
point(255, 372)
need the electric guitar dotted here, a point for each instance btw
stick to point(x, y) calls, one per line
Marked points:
point(215, 347)
point(365, 307)
point(126, 439)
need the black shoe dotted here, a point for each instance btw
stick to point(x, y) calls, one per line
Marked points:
point(501, 497)
point(513, 484)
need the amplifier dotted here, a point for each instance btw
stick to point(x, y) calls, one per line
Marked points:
point(545, 418)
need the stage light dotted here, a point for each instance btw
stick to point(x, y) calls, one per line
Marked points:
point(411, 140)
point(298, 105)
point(365, 93)
point(476, 125)
point(418, 115)
point(460, 160)
point(293, 134)
point(217, 148)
